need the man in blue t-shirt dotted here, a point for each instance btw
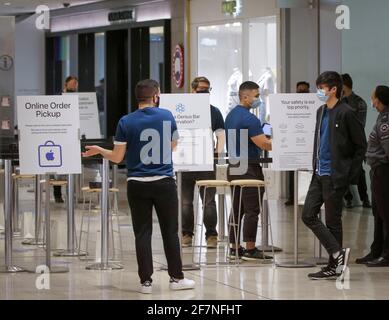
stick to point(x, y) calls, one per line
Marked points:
point(146, 138)
point(202, 85)
point(245, 140)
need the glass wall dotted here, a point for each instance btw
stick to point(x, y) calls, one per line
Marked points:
point(231, 53)
point(220, 60)
point(157, 55)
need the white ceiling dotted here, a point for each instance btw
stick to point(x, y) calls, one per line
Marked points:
point(24, 6)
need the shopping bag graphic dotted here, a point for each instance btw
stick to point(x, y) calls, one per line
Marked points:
point(50, 155)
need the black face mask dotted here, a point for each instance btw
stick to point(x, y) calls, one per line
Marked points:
point(158, 101)
point(203, 91)
point(70, 90)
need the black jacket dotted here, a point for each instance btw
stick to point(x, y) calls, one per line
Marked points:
point(347, 144)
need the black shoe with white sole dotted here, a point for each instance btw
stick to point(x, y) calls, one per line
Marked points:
point(341, 262)
point(254, 255)
point(326, 273)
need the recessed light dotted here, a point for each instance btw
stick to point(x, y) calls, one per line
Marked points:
point(7, 3)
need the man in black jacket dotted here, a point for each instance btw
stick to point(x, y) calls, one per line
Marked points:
point(339, 149)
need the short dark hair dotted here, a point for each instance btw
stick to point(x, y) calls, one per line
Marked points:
point(70, 78)
point(382, 94)
point(146, 89)
point(196, 82)
point(331, 79)
point(248, 85)
point(303, 83)
point(347, 80)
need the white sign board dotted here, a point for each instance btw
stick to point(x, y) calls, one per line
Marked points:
point(293, 118)
point(89, 114)
point(49, 134)
point(192, 113)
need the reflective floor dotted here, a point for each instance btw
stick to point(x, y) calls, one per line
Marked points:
point(246, 281)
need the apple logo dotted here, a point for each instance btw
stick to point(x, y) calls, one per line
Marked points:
point(50, 156)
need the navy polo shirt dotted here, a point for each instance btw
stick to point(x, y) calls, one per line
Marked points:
point(245, 125)
point(148, 134)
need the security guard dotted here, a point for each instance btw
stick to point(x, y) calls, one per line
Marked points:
point(378, 159)
point(360, 108)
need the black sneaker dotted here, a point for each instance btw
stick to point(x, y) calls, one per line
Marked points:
point(341, 262)
point(255, 254)
point(349, 204)
point(232, 253)
point(366, 204)
point(326, 273)
point(59, 200)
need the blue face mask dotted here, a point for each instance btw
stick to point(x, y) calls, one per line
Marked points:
point(321, 94)
point(257, 103)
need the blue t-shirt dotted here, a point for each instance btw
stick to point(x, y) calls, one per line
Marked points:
point(240, 122)
point(148, 134)
point(324, 159)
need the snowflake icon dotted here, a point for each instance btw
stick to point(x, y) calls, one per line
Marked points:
point(180, 108)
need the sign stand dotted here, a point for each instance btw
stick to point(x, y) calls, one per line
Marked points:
point(265, 246)
point(71, 251)
point(52, 269)
point(8, 267)
point(38, 215)
point(295, 263)
point(104, 264)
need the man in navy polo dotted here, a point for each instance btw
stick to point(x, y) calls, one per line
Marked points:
point(146, 137)
point(245, 140)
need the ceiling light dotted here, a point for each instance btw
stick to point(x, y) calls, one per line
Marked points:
point(7, 3)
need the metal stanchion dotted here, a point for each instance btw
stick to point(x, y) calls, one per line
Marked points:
point(38, 215)
point(8, 200)
point(115, 185)
point(52, 269)
point(71, 250)
point(221, 218)
point(265, 246)
point(318, 248)
point(179, 192)
point(16, 232)
point(104, 264)
point(296, 263)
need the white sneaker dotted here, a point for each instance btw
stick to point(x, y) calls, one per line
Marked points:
point(181, 284)
point(146, 287)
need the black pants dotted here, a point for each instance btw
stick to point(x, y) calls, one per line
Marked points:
point(380, 203)
point(322, 191)
point(249, 205)
point(57, 192)
point(142, 197)
point(210, 214)
point(362, 188)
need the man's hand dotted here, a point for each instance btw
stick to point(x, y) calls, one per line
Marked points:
point(91, 151)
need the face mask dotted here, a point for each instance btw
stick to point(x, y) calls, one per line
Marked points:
point(321, 94)
point(203, 91)
point(256, 103)
point(157, 102)
point(70, 90)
